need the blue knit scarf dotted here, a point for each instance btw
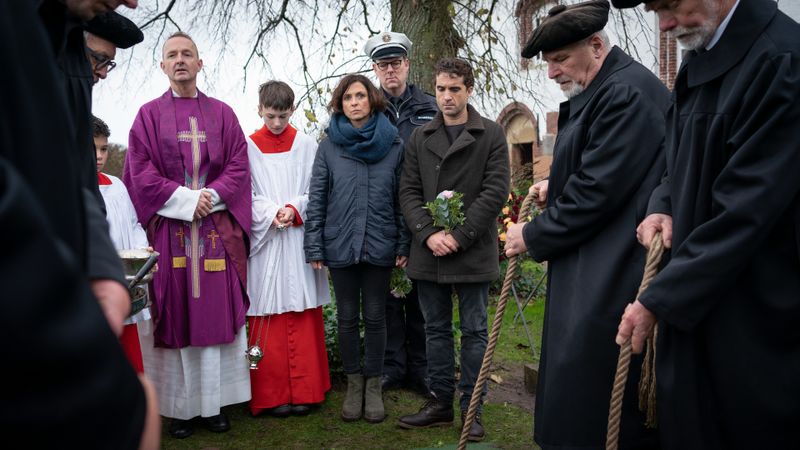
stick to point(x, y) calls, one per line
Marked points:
point(369, 143)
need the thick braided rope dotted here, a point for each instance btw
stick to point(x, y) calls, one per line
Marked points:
point(623, 362)
point(511, 271)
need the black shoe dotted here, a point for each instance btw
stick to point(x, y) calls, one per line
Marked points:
point(434, 413)
point(218, 423)
point(418, 385)
point(389, 382)
point(280, 411)
point(476, 431)
point(300, 410)
point(180, 429)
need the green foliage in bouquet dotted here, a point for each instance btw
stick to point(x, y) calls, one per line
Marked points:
point(399, 285)
point(446, 210)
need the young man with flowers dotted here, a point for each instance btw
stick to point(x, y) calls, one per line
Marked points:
point(460, 151)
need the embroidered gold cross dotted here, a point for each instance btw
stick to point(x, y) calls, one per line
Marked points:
point(213, 235)
point(195, 136)
point(180, 234)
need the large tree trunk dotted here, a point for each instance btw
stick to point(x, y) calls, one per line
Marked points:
point(429, 25)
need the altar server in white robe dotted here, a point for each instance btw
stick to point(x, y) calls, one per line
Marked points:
point(126, 232)
point(286, 294)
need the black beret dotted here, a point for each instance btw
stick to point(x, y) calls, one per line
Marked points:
point(565, 25)
point(621, 4)
point(116, 29)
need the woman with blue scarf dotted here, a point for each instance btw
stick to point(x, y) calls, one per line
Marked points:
point(354, 227)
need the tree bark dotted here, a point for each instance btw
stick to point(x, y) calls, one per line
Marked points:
point(429, 25)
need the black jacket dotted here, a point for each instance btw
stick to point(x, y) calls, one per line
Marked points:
point(477, 165)
point(608, 157)
point(352, 214)
point(71, 381)
point(729, 299)
point(417, 109)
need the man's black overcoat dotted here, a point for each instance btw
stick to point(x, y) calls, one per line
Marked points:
point(66, 380)
point(607, 160)
point(729, 300)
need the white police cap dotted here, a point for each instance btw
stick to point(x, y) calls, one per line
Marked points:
point(387, 44)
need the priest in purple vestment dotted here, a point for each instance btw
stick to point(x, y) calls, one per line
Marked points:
point(188, 176)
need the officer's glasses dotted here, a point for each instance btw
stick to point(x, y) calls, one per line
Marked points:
point(101, 61)
point(383, 65)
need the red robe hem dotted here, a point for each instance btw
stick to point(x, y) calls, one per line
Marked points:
point(294, 369)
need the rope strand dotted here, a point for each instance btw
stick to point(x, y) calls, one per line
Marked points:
point(511, 272)
point(647, 382)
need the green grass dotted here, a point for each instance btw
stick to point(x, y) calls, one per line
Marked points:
point(513, 345)
point(508, 426)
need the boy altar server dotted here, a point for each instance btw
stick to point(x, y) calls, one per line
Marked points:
point(285, 315)
point(125, 230)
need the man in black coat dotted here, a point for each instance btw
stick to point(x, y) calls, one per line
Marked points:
point(407, 107)
point(728, 301)
point(64, 22)
point(608, 158)
point(459, 150)
point(68, 380)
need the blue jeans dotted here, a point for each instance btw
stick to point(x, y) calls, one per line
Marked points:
point(361, 288)
point(437, 306)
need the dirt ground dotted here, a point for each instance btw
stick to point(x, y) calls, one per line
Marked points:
point(511, 389)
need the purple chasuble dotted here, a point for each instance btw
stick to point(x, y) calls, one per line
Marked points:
point(199, 292)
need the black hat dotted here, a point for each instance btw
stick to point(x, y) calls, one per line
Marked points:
point(116, 29)
point(621, 4)
point(565, 25)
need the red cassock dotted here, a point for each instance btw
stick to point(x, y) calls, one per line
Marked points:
point(130, 344)
point(295, 365)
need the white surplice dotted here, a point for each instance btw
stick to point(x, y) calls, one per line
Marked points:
point(123, 226)
point(278, 278)
point(189, 380)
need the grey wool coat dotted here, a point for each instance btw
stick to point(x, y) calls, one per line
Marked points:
point(477, 165)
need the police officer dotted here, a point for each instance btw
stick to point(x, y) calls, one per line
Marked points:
point(407, 107)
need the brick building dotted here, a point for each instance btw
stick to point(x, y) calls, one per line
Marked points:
point(521, 124)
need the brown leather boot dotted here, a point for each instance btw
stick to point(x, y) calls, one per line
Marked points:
point(476, 431)
point(434, 413)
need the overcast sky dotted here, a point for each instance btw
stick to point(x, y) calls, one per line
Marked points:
point(138, 78)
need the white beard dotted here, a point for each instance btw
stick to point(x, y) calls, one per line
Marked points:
point(574, 90)
point(693, 38)
point(696, 37)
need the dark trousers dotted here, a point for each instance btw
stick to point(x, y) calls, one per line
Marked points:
point(437, 307)
point(361, 288)
point(405, 338)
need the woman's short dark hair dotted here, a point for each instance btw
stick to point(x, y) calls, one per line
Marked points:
point(376, 101)
point(276, 94)
point(457, 67)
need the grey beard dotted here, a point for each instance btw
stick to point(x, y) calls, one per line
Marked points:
point(698, 38)
point(575, 90)
point(701, 34)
